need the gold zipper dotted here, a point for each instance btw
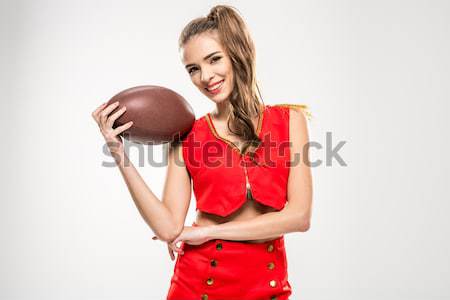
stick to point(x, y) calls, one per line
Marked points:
point(235, 147)
point(247, 184)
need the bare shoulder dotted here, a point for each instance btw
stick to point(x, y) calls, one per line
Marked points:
point(299, 116)
point(298, 128)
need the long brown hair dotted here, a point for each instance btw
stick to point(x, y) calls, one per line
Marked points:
point(235, 38)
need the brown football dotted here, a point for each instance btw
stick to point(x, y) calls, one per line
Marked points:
point(159, 114)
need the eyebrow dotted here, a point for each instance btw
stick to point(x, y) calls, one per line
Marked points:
point(205, 58)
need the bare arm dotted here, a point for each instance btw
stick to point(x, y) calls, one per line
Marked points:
point(295, 216)
point(166, 217)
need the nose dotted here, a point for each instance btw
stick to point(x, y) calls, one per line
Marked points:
point(206, 76)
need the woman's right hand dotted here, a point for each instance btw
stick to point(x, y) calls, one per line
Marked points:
point(105, 123)
point(172, 249)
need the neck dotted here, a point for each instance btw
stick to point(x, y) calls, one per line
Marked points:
point(222, 110)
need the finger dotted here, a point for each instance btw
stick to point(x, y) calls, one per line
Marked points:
point(97, 111)
point(114, 116)
point(107, 110)
point(122, 128)
point(172, 255)
point(99, 108)
point(175, 248)
point(179, 249)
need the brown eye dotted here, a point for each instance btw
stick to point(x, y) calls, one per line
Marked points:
point(216, 58)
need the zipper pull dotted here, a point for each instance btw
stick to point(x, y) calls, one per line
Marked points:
point(247, 183)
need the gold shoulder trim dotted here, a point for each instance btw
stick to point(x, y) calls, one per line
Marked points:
point(304, 108)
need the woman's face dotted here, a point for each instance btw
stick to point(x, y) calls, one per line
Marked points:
point(208, 66)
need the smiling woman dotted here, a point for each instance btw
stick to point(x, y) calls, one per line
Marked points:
point(249, 195)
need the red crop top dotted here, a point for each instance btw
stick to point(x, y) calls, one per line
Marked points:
point(223, 176)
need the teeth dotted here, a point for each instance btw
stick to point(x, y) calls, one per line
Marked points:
point(215, 86)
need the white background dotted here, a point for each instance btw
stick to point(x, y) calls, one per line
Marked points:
point(375, 74)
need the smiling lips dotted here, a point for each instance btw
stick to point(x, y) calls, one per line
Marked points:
point(215, 88)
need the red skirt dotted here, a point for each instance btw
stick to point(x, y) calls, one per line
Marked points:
point(231, 270)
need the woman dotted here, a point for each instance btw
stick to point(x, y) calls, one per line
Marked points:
point(257, 189)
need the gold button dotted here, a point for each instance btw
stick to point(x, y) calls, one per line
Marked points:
point(273, 298)
point(214, 263)
point(204, 297)
point(273, 283)
point(270, 248)
point(271, 266)
point(210, 281)
point(219, 246)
